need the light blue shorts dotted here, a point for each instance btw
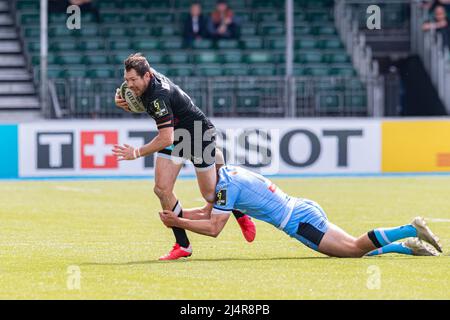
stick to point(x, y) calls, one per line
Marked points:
point(308, 223)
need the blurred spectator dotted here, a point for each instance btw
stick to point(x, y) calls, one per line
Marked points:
point(195, 25)
point(441, 24)
point(223, 23)
point(432, 4)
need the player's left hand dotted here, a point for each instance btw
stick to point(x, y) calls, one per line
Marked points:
point(169, 218)
point(125, 152)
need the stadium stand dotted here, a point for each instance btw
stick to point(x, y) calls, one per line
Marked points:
point(16, 86)
point(86, 64)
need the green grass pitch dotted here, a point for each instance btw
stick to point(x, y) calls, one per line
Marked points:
point(110, 232)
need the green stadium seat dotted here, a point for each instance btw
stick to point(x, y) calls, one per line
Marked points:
point(111, 18)
point(259, 57)
point(278, 43)
point(96, 59)
point(236, 70)
point(303, 30)
point(57, 19)
point(248, 29)
point(181, 71)
point(74, 72)
point(358, 101)
point(122, 44)
point(299, 16)
point(89, 30)
point(265, 4)
point(119, 56)
point(31, 32)
point(227, 44)
point(202, 44)
point(114, 32)
point(233, 56)
point(101, 72)
point(263, 70)
point(209, 70)
point(272, 29)
point(92, 44)
point(177, 57)
point(30, 18)
point(161, 18)
point(172, 43)
point(324, 30)
point(305, 43)
point(252, 43)
point(135, 17)
point(331, 44)
point(140, 31)
point(60, 32)
point(69, 59)
point(67, 45)
point(33, 46)
point(309, 57)
point(248, 102)
point(207, 57)
point(337, 57)
point(134, 4)
point(222, 102)
point(317, 71)
point(269, 17)
point(243, 16)
point(150, 44)
point(155, 57)
point(343, 71)
point(328, 102)
point(27, 5)
point(319, 16)
point(166, 30)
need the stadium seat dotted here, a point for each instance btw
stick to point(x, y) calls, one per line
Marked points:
point(234, 56)
point(202, 44)
point(69, 59)
point(111, 18)
point(236, 70)
point(328, 102)
point(209, 70)
point(101, 72)
point(155, 57)
point(114, 32)
point(207, 57)
point(272, 29)
point(150, 44)
point(140, 31)
point(181, 71)
point(269, 17)
point(252, 43)
point(68, 45)
point(306, 43)
point(120, 44)
point(303, 30)
point(324, 30)
point(343, 71)
point(337, 57)
point(248, 30)
point(177, 57)
point(278, 43)
point(317, 71)
point(30, 19)
point(331, 44)
point(309, 57)
point(136, 17)
point(91, 44)
point(172, 43)
point(95, 59)
point(227, 44)
point(259, 57)
point(74, 73)
point(263, 70)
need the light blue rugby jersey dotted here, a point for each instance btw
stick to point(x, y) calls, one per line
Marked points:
point(252, 194)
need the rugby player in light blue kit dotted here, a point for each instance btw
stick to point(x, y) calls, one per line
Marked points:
point(302, 219)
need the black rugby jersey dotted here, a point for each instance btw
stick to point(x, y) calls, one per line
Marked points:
point(165, 101)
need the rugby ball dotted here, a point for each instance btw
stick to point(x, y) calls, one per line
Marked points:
point(134, 102)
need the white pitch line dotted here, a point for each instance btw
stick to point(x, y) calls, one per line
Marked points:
point(438, 220)
point(72, 189)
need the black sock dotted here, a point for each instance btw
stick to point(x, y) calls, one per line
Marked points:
point(237, 214)
point(180, 234)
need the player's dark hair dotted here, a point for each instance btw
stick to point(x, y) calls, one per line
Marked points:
point(138, 62)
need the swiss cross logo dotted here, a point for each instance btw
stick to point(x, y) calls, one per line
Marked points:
point(96, 149)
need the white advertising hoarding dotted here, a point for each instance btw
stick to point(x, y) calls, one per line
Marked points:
point(269, 146)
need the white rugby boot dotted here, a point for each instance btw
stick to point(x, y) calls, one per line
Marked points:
point(419, 248)
point(424, 233)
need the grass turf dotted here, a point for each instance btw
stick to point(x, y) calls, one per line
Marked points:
point(110, 230)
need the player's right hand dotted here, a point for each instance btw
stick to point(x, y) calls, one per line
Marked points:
point(121, 103)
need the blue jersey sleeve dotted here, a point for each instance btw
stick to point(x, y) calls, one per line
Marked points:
point(226, 196)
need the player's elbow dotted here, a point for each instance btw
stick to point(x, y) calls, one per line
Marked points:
point(214, 231)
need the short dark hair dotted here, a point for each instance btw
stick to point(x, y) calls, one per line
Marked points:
point(138, 62)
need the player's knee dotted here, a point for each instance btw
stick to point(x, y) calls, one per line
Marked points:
point(162, 191)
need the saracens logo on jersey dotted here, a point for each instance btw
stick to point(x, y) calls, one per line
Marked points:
point(159, 108)
point(221, 197)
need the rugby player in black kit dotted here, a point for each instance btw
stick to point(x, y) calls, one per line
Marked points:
point(173, 110)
